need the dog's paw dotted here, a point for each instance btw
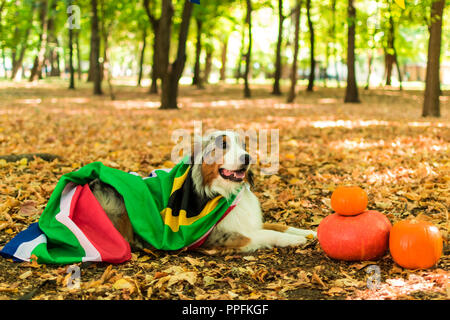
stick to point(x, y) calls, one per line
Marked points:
point(302, 232)
point(287, 239)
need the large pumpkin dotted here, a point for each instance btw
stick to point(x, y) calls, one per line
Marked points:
point(349, 200)
point(361, 237)
point(415, 244)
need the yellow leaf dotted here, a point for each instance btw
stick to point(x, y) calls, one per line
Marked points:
point(293, 171)
point(400, 3)
point(122, 284)
point(23, 162)
point(26, 274)
point(294, 181)
point(289, 156)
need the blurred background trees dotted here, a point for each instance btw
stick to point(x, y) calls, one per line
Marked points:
point(162, 43)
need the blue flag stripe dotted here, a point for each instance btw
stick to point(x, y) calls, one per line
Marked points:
point(21, 246)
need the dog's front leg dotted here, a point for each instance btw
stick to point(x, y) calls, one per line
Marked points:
point(292, 230)
point(269, 238)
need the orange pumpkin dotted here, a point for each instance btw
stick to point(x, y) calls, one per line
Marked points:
point(361, 237)
point(349, 200)
point(415, 244)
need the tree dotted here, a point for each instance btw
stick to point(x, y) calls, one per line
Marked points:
point(277, 75)
point(95, 50)
point(22, 22)
point(311, 42)
point(351, 92)
point(248, 21)
point(171, 72)
point(431, 105)
point(197, 79)
point(223, 59)
point(36, 70)
point(297, 11)
point(71, 68)
point(390, 55)
point(155, 23)
point(142, 55)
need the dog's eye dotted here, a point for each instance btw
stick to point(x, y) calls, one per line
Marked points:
point(221, 142)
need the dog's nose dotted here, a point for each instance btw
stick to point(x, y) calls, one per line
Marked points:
point(245, 159)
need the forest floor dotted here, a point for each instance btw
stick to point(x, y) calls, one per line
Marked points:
point(382, 145)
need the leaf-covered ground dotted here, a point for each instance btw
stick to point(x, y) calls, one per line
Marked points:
point(382, 144)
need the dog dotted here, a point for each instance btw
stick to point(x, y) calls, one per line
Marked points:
point(221, 168)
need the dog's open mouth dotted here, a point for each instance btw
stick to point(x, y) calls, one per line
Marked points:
point(233, 175)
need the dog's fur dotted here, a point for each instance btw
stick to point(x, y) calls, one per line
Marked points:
point(221, 168)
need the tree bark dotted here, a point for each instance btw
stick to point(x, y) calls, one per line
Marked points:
point(77, 43)
point(351, 92)
point(311, 41)
point(36, 70)
point(95, 50)
point(71, 68)
point(155, 23)
point(197, 79)
point(277, 75)
point(223, 67)
point(53, 44)
point(247, 93)
point(171, 73)
point(291, 93)
point(208, 65)
point(142, 55)
point(431, 105)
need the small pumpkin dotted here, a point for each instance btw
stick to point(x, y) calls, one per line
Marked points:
point(361, 237)
point(415, 244)
point(349, 200)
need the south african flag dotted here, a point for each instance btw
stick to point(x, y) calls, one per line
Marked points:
point(163, 210)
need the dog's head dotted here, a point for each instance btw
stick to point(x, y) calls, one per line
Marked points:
point(222, 165)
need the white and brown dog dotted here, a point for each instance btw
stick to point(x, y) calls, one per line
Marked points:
point(213, 175)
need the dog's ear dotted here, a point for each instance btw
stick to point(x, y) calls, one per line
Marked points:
point(196, 148)
point(249, 177)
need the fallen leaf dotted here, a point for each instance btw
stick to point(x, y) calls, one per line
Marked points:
point(122, 284)
point(26, 274)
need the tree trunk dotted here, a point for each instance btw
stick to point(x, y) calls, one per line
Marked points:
point(95, 50)
point(77, 42)
point(142, 55)
point(223, 67)
point(277, 75)
point(197, 80)
point(71, 69)
point(53, 44)
point(17, 64)
point(208, 65)
point(171, 74)
point(291, 94)
point(155, 23)
point(351, 93)
point(248, 19)
point(36, 70)
point(399, 73)
point(389, 58)
point(431, 105)
point(311, 41)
